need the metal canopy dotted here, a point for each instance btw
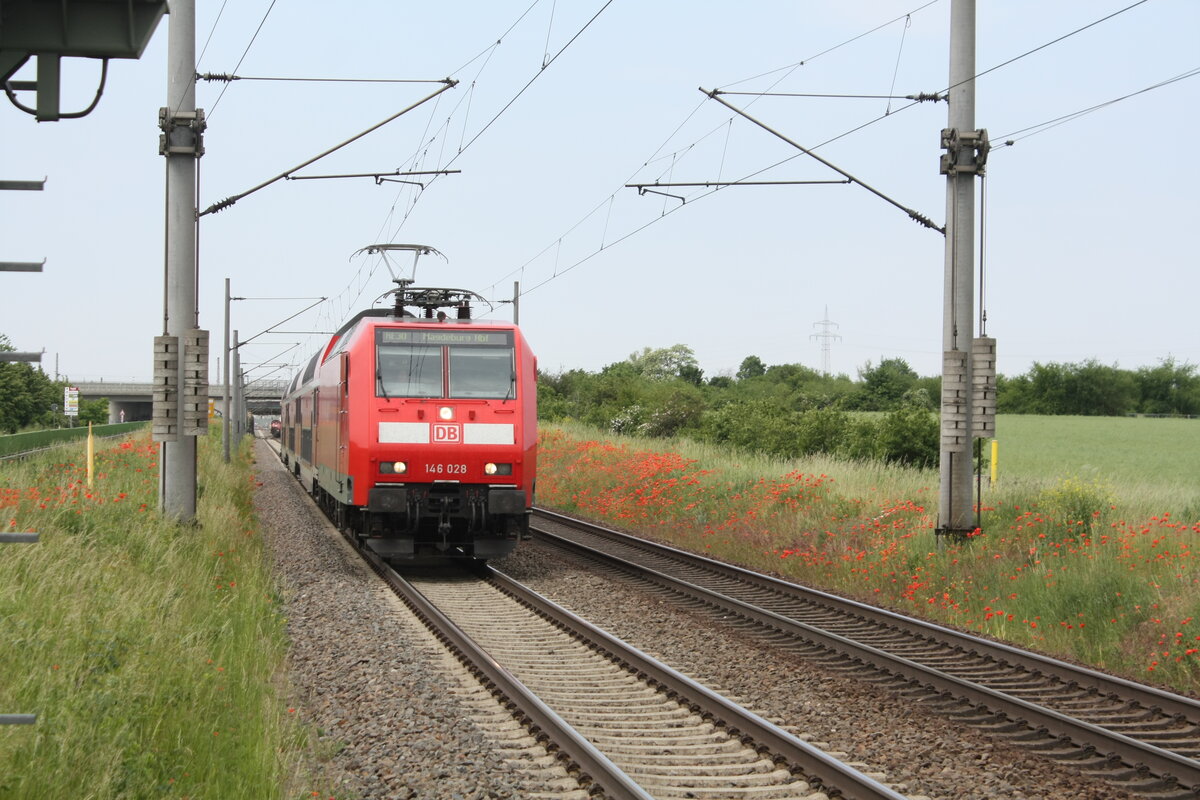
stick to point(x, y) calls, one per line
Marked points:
point(52, 29)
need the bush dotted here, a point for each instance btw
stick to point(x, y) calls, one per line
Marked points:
point(910, 436)
point(823, 430)
point(1077, 502)
point(862, 438)
point(755, 426)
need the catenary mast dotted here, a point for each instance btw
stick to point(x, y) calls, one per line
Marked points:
point(181, 353)
point(965, 157)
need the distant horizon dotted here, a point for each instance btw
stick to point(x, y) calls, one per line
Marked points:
point(542, 367)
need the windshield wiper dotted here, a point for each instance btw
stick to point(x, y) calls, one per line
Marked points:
point(379, 376)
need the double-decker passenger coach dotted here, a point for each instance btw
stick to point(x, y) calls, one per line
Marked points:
point(418, 431)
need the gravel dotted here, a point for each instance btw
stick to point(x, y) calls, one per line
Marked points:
point(395, 717)
point(917, 753)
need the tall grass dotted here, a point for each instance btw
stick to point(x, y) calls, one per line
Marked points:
point(1091, 568)
point(146, 648)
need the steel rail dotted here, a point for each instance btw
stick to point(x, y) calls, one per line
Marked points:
point(1149, 696)
point(840, 778)
point(1136, 754)
point(740, 722)
point(583, 754)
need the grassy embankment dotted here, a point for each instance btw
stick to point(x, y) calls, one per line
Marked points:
point(149, 650)
point(35, 440)
point(1086, 548)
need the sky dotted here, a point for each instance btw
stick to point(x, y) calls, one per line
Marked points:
point(1088, 226)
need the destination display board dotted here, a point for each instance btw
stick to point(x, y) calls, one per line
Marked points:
point(447, 337)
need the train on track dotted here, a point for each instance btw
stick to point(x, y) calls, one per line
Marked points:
point(415, 426)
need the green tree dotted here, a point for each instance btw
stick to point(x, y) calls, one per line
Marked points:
point(665, 363)
point(883, 387)
point(910, 436)
point(673, 408)
point(755, 425)
point(1168, 388)
point(559, 395)
point(1095, 389)
point(752, 367)
point(1014, 395)
point(27, 395)
point(796, 377)
point(824, 430)
point(93, 411)
point(1088, 388)
point(1048, 389)
point(691, 373)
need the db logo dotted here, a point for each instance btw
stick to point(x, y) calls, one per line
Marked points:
point(444, 433)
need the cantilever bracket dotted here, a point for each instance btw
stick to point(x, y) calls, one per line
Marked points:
point(642, 190)
point(182, 132)
point(955, 142)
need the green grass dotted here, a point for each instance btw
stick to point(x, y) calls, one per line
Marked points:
point(1086, 549)
point(34, 440)
point(149, 650)
point(1152, 464)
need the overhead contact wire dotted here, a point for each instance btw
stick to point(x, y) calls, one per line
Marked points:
point(1042, 127)
point(517, 96)
point(701, 195)
point(244, 54)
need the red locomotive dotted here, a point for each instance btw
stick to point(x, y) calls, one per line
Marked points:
point(419, 432)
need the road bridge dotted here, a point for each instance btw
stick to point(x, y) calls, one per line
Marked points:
point(136, 399)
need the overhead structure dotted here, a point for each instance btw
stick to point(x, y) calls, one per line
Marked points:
point(51, 31)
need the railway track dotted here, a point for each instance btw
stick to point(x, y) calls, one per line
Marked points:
point(1139, 738)
point(626, 726)
point(624, 723)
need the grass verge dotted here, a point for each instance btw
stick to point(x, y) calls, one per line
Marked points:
point(1082, 568)
point(148, 649)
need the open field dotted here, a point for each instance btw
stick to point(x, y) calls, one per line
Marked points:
point(1149, 462)
point(1081, 554)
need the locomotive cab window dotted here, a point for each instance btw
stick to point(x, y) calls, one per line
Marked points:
point(406, 370)
point(441, 363)
point(482, 372)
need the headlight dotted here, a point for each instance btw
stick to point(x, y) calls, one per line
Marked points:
point(497, 469)
point(393, 468)
point(446, 413)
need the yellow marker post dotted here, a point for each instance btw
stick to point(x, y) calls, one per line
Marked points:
point(91, 455)
point(995, 459)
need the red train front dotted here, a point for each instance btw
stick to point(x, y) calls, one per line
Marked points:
point(419, 433)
